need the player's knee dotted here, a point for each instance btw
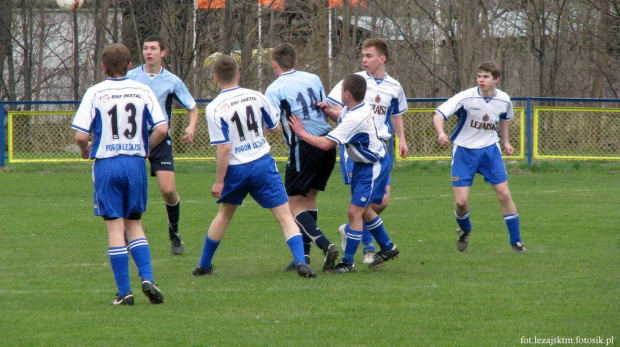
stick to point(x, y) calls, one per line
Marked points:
point(170, 197)
point(461, 208)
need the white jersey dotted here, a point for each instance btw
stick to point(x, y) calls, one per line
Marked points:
point(237, 116)
point(118, 112)
point(477, 117)
point(356, 130)
point(385, 96)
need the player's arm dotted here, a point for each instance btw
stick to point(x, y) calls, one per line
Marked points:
point(321, 142)
point(222, 159)
point(191, 128)
point(503, 128)
point(397, 123)
point(81, 139)
point(158, 134)
point(438, 121)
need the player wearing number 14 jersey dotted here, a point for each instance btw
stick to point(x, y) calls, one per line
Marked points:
point(236, 119)
point(308, 168)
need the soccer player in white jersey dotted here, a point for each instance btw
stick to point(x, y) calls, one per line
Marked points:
point(236, 118)
point(386, 98)
point(119, 112)
point(356, 130)
point(480, 111)
point(308, 168)
point(168, 88)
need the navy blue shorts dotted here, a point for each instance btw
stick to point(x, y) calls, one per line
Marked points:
point(161, 156)
point(308, 167)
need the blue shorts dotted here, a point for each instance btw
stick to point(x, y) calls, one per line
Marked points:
point(260, 178)
point(486, 161)
point(346, 167)
point(120, 186)
point(369, 181)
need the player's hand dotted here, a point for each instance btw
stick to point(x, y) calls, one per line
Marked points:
point(403, 150)
point(189, 135)
point(508, 148)
point(86, 152)
point(323, 105)
point(216, 190)
point(443, 139)
point(296, 124)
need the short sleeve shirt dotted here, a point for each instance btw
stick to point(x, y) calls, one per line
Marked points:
point(385, 97)
point(478, 117)
point(356, 130)
point(119, 113)
point(237, 116)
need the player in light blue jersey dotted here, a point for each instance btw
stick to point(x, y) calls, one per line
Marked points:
point(119, 112)
point(236, 119)
point(308, 168)
point(480, 111)
point(386, 98)
point(168, 88)
point(356, 130)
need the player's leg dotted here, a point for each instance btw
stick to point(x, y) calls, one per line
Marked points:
point(464, 167)
point(214, 237)
point(141, 254)
point(494, 172)
point(509, 211)
point(307, 173)
point(167, 187)
point(119, 260)
point(293, 238)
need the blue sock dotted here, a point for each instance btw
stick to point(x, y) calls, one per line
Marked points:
point(512, 222)
point(463, 221)
point(119, 260)
point(141, 255)
point(353, 241)
point(208, 251)
point(296, 245)
point(367, 241)
point(375, 227)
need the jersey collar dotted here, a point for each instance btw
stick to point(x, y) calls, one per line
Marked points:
point(485, 98)
point(288, 72)
point(358, 106)
point(229, 90)
point(377, 80)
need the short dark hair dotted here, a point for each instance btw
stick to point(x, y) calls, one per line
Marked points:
point(155, 38)
point(356, 85)
point(285, 55)
point(492, 67)
point(116, 59)
point(225, 68)
point(380, 45)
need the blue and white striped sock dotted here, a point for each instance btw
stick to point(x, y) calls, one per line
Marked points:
point(354, 238)
point(463, 221)
point(119, 260)
point(141, 255)
point(375, 227)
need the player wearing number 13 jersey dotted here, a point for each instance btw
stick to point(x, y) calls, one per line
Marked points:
point(308, 168)
point(118, 112)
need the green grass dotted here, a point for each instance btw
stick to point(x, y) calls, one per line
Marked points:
point(56, 282)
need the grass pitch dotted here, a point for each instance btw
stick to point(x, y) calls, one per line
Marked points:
point(56, 282)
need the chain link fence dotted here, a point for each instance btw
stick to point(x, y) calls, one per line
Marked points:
point(558, 133)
